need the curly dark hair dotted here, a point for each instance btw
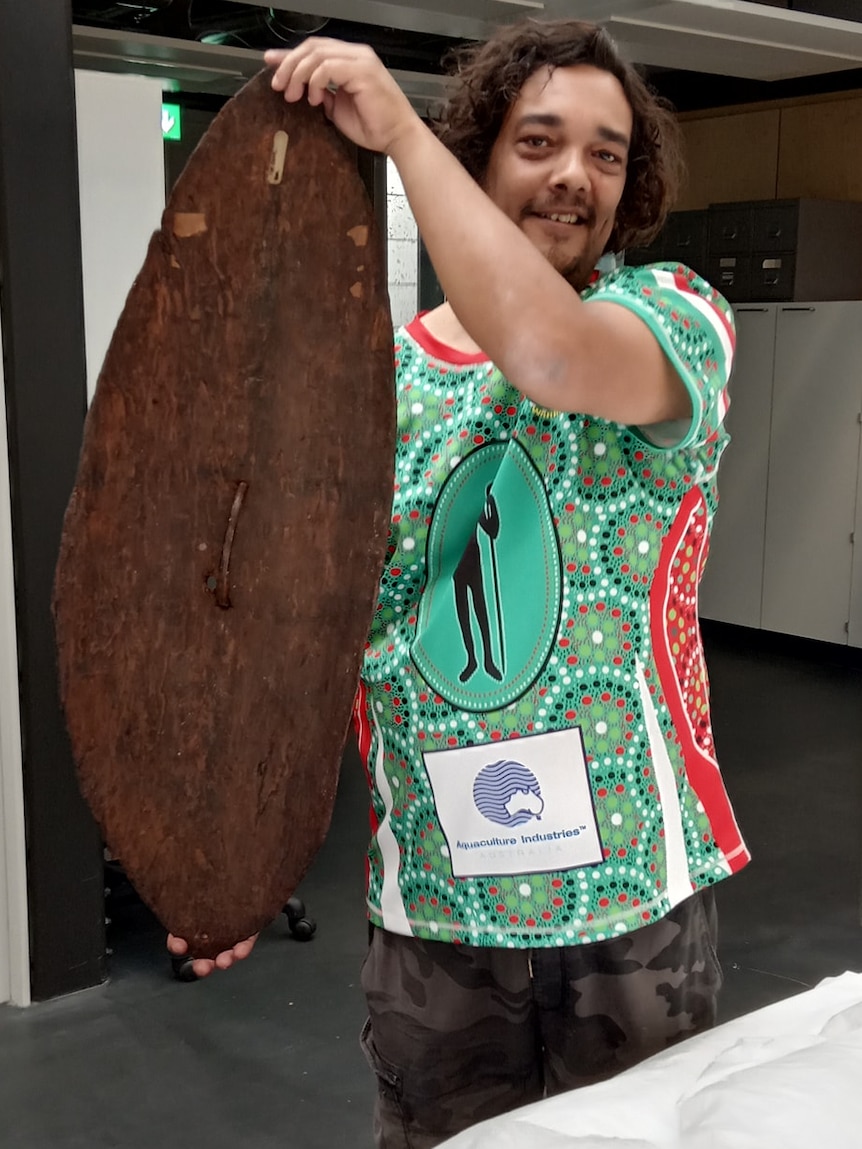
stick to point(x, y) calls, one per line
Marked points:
point(488, 77)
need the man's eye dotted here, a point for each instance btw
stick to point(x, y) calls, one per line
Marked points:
point(609, 158)
point(536, 141)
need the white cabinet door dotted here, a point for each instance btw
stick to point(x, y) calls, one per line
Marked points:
point(732, 586)
point(813, 470)
point(855, 629)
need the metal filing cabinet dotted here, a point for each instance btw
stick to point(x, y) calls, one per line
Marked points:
point(786, 250)
point(729, 250)
point(769, 251)
point(683, 239)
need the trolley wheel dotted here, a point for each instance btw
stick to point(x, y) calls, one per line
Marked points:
point(301, 926)
point(183, 969)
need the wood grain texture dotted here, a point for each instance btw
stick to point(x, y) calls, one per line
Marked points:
point(730, 158)
point(784, 149)
point(248, 392)
point(820, 157)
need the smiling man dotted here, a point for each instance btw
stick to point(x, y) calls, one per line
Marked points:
point(521, 948)
point(568, 213)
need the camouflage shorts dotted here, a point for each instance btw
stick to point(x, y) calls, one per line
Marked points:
point(458, 1034)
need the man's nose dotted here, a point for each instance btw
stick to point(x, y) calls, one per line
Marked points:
point(570, 172)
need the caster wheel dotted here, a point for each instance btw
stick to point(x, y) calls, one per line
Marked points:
point(182, 969)
point(303, 928)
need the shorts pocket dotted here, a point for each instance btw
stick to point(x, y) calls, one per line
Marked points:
point(390, 1123)
point(386, 1074)
point(709, 924)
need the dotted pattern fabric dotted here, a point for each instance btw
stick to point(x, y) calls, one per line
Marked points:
point(632, 521)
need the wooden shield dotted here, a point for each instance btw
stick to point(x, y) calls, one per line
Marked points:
point(224, 540)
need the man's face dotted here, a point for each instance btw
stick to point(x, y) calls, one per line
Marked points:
point(558, 166)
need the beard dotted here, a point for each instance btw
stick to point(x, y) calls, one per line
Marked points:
point(579, 273)
point(578, 270)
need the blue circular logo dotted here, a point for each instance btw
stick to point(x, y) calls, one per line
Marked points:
point(508, 793)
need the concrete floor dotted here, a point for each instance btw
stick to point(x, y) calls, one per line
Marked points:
point(266, 1055)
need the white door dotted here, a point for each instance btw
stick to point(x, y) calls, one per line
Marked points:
point(732, 585)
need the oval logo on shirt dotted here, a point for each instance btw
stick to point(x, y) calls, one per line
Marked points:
point(490, 612)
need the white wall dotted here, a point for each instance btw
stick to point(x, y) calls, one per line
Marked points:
point(14, 944)
point(121, 170)
point(403, 250)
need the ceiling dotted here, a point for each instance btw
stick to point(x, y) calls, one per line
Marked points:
point(214, 45)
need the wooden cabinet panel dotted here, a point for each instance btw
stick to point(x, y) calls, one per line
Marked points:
point(732, 584)
point(731, 158)
point(794, 150)
point(819, 156)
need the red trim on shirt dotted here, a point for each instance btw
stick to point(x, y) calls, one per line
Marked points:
point(684, 286)
point(439, 350)
point(701, 767)
point(363, 737)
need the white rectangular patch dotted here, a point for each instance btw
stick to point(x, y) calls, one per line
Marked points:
point(516, 807)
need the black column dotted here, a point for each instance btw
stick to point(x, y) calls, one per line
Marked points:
point(430, 292)
point(372, 168)
point(43, 336)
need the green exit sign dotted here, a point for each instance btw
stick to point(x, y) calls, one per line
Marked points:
point(172, 121)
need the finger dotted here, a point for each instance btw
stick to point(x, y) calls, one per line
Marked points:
point(272, 57)
point(287, 60)
point(320, 84)
point(290, 78)
point(242, 949)
point(284, 64)
point(224, 960)
point(202, 967)
point(337, 63)
point(312, 72)
point(177, 946)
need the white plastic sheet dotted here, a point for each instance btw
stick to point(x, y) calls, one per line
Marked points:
point(785, 1077)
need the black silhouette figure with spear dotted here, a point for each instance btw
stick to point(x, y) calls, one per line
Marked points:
point(470, 585)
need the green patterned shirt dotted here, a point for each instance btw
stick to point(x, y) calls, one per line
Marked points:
point(534, 710)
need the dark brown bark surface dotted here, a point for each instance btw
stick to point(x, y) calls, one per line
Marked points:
point(224, 540)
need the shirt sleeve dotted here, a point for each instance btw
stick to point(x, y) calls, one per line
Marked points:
point(694, 326)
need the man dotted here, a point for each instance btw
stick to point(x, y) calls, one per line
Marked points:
point(548, 828)
point(469, 584)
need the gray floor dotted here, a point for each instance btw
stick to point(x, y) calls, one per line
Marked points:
point(266, 1054)
point(789, 734)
